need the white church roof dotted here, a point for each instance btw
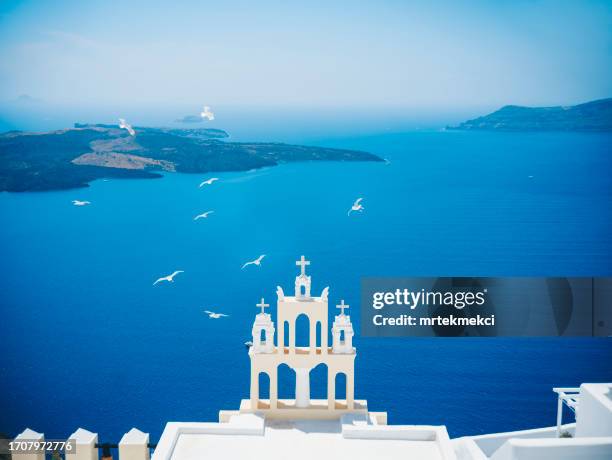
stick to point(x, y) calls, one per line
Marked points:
point(304, 439)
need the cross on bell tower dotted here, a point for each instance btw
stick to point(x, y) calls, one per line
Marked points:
point(342, 306)
point(263, 305)
point(303, 263)
point(302, 281)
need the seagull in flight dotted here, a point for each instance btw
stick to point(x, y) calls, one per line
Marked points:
point(207, 113)
point(169, 278)
point(356, 206)
point(213, 315)
point(80, 203)
point(204, 215)
point(125, 125)
point(208, 181)
point(255, 262)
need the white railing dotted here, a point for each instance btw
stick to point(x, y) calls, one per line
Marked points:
point(83, 445)
point(571, 398)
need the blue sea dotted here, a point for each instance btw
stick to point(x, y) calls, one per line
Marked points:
point(87, 341)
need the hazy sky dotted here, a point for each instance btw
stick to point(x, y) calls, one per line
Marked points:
point(432, 55)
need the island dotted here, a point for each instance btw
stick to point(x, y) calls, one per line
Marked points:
point(595, 116)
point(190, 119)
point(71, 158)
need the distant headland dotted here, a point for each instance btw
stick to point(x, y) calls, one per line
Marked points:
point(72, 158)
point(595, 116)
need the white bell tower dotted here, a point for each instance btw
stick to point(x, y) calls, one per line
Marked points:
point(263, 326)
point(267, 356)
point(302, 281)
point(342, 332)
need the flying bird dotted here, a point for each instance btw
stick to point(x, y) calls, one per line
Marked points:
point(207, 113)
point(125, 125)
point(213, 315)
point(356, 206)
point(204, 215)
point(80, 203)
point(169, 278)
point(208, 181)
point(255, 262)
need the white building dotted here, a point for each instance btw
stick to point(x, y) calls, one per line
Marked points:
point(303, 428)
point(266, 357)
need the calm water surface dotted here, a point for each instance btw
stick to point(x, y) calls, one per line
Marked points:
point(87, 341)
